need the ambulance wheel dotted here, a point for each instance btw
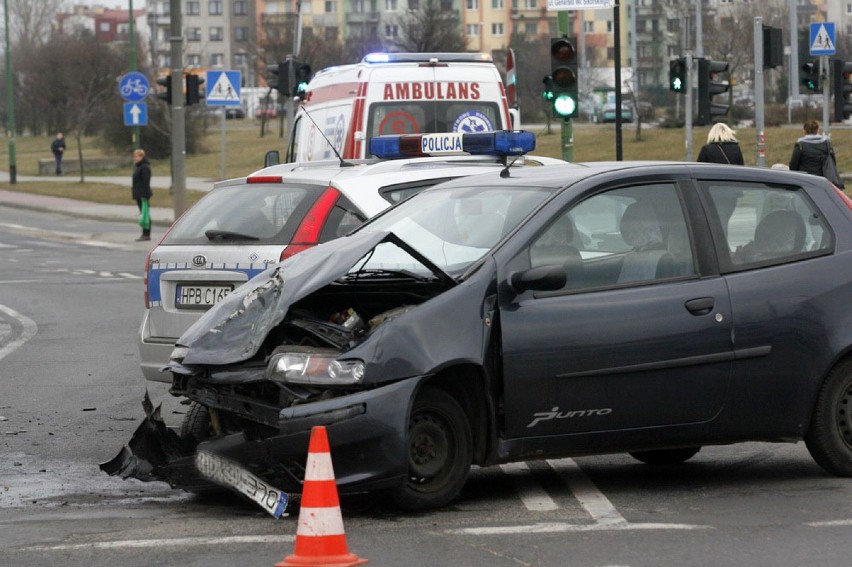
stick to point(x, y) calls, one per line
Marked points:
point(440, 452)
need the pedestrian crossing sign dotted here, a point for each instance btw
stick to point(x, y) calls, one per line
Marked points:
point(223, 88)
point(823, 39)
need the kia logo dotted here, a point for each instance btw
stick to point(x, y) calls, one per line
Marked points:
point(199, 260)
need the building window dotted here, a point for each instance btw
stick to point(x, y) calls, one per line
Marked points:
point(241, 33)
point(530, 4)
point(193, 34)
point(589, 27)
point(167, 9)
point(216, 34)
point(391, 5)
point(240, 7)
point(530, 28)
point(357, 6)
point(414, 5)
point(497, 4)
point(193, 60)
point(609, 26)
point(214, 7)
point(217, 59)
point(307, 8)
point(446, 5)
point(193, 8)
point(472, 30)
point(330, 6)
point(104, 27)
point(391, 30)
point(472, 4)
point(497, 29)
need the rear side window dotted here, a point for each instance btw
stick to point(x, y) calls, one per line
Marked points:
point(761, 225)
point(267, 213)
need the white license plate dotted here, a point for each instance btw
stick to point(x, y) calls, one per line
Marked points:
point(228, 473)
point(200, 296)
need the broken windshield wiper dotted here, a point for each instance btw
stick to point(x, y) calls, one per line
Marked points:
point(380, 273)
point(228, 235)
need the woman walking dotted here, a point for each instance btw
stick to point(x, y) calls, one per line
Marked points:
point(141, 191)
point(721, 147)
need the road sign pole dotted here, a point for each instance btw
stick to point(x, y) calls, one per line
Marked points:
point(826, 93)
point(223, 158)
point(132, 32)
point(758, 92)
point(178, 124)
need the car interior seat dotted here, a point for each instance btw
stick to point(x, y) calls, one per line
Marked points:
point(649, 259)
point(554, 247)
point(779, 233)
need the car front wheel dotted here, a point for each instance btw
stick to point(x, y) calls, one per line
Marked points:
point(440, 452)
point(829, 438)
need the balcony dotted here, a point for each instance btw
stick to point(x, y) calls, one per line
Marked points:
point(278, 19)
point(325, 20)
point(362, 17)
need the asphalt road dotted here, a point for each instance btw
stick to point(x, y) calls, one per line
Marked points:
point(70, 397)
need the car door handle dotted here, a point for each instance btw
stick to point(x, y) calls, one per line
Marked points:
point(700, 306)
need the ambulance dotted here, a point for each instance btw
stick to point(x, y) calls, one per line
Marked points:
point(344, 107)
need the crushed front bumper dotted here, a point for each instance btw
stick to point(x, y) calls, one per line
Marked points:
point(367, 434)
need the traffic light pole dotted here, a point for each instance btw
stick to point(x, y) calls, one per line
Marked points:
point(687, 113)
point(826, 94)
point(760, 126)
point(178, 125)
point(563, 23)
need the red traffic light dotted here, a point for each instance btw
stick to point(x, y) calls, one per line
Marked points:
point(563, 50)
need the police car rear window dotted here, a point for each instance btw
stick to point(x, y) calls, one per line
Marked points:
point(264, 213)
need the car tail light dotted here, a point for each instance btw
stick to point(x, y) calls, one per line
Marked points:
point(843, 197)
point(148, 262)
point(310, 228)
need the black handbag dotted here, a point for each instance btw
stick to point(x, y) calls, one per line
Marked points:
point(829, 169)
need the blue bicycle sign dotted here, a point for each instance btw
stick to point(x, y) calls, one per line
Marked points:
point(134, 87)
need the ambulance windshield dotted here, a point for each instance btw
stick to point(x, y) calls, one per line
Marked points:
point(430, 116)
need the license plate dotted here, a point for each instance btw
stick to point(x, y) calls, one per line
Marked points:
point(200, 296)
point(228, 473)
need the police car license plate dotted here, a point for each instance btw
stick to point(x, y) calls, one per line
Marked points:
point(200, 296)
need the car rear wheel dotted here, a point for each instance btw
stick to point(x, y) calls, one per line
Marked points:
point(665, 456)
point(829, 438)
point(440, 452)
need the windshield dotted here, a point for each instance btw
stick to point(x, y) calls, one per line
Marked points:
point(452, 227)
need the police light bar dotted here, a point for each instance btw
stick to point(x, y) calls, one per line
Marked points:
point(502, 143)
point(380, 57)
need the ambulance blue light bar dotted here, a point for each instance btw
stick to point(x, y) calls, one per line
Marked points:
point(500, 143)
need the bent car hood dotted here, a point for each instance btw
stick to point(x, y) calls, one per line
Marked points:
point(234, 329)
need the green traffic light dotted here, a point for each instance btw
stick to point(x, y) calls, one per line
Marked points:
point(677, 84)
point(548, 95)
point(564, 105)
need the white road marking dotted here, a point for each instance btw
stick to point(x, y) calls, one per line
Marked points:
point(829, 524)
point(530, 493)
point(130, 276)
point(596, 504)
point(173, 542)
point(30, 329)
point(562, 527)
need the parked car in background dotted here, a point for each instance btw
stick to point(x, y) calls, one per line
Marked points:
point(245, 225)
point(531, 313)
point(235, 113)
point(608, 113)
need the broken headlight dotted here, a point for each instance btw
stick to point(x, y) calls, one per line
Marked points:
point(315, 369)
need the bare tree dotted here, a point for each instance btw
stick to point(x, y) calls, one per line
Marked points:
point(31, 20)
point(430, 28)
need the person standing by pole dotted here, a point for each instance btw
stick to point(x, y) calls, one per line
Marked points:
point(58, 149)
point(141, 191)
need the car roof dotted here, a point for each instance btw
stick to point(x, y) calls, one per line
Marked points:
point(568, 174)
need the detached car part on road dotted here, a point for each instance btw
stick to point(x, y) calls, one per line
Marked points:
point(649, 308)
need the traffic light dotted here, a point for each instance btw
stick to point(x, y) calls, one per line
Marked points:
point(193, 89)
point(548, 88)
point(708, 87)
point(279, 77)
point(810, 76)
point(563, 70)
point(167, 83)
point(678, 76)
point(303, 77)
point(841, 72)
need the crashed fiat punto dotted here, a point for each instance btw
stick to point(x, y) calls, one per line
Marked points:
point(644, 308)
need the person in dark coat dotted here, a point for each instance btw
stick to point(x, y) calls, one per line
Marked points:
point(721, 147)
point(811, 150)
point(58, 149)
point(141, 190)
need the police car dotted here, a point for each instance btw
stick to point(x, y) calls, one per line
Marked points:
point(245, 225)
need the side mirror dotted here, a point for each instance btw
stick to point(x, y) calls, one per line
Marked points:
point(272, 157)
point(542, 278)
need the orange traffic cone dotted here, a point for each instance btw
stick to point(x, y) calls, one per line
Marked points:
point(320, 539)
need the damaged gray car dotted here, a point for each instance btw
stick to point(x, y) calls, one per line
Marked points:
point(626, 307)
